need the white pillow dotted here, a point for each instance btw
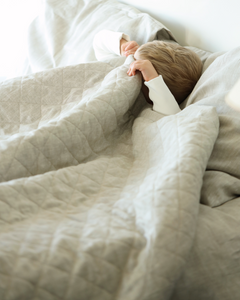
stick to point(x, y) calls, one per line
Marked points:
point(63, 32)
point(222, 178)
point(203, 55)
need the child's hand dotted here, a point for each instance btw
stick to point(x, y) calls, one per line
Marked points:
point(129, 48)
point(145, 67)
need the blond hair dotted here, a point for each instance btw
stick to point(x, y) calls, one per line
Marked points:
point(179, 67)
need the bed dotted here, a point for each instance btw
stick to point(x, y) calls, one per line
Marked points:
point(100, 196)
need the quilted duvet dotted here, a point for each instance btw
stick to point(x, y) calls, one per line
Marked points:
point(96, 202)
point(100, 196)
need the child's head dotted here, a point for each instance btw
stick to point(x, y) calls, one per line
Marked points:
point(179, 67)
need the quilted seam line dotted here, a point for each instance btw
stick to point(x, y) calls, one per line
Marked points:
point(85, 223)
point(133, 243)
point(45, 259)
point(11, 162)
point(123, 270)
point(14, 268)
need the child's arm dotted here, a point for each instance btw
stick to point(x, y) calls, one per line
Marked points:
point(163, 100)
point(107, 42)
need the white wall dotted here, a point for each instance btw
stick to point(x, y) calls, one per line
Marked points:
point(15, 16)
point(212, 25)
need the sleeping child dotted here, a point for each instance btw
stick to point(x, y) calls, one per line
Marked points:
point(169, 71)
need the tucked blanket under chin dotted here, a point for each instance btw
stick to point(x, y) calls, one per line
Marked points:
point(99, 195)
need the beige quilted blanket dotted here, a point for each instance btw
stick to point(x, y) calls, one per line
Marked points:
point(99, 194)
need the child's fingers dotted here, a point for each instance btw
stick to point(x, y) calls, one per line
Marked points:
point(132, 51)
point(131, 45)
point(132, 69)
point(131, 73)
point(128, 46)
point(128, 53)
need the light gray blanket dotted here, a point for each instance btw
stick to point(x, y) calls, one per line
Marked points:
point(99, 194)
